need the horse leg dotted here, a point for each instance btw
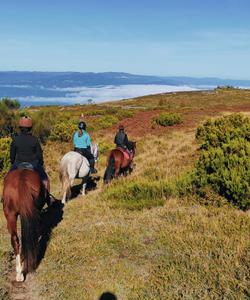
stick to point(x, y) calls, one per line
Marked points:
point(131, 167)
point(117, 168)
point(67, 183)
point(84, 185)
point(12, 228)
point(64, 197)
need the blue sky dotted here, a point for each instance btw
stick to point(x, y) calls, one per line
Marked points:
point(182, 37)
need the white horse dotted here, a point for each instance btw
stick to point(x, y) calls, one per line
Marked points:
point(73, 165)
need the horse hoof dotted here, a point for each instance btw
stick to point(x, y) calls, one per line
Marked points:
point(20, 277)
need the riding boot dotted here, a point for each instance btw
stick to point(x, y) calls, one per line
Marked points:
point(92, 166)
point(49, 198)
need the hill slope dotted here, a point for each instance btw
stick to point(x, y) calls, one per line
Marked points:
point(179, 248)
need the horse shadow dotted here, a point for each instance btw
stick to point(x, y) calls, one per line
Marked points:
point(91, 185)
point(50, 218)
point(108, 296)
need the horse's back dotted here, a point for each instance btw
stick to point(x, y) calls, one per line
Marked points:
point(18, 183)
point(74, 163)
point(17, 176)
point(120, 157)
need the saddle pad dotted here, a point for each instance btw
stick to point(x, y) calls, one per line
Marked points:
point(125, 153)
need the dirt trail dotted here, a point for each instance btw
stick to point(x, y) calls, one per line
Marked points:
point(21, 290)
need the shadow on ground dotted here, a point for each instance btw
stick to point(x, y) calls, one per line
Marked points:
point(108, 296)
point(50, 218)
point(91, 185)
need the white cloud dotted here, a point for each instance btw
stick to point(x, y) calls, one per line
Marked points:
point(108, 93)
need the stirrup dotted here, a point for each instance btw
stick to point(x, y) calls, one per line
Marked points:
point(93, 171)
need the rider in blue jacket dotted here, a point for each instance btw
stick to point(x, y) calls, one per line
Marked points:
point(82, 144)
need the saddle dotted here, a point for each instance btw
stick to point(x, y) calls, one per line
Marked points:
point(126, 154)
point(25, 166)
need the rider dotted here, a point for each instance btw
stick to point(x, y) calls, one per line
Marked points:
point(25, 148)
point(82, 143)
point(121, 140)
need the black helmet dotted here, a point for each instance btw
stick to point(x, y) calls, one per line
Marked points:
point(82, 125)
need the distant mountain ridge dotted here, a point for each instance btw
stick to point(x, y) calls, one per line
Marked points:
point(75, 79)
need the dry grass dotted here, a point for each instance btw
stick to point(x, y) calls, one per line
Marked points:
point(5, 256)
point(185, 101)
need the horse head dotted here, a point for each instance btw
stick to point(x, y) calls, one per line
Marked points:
point(132, 147)
point(95, 151)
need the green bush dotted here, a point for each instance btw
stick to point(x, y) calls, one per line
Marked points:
point(11, 103)
point(4, 154)
point(221, 131)
point(105, 147)
point(105, 122)
point(63, 131)
point(7, 119)
point(43, 120)
point(168, 119)
point(138, 194)
point(224, 162)
point(124, 113)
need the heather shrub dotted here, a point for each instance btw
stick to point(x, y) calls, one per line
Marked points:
point(11, 103)
point(221, 131)
point(63, 131)
point(105, 122)
point(137, 194)
point(224, 162)
point(105, 147)
point(7, 118)
point(43, 120)
point(124, 113)
point(4, 154)
point(167, 119)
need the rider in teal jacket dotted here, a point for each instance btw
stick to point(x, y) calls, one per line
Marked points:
point(82, 144)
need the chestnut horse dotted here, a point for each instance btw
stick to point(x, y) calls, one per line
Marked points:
point(24, 196)
point(118, 162)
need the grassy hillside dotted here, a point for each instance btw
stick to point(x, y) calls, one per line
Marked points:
point(141, 237)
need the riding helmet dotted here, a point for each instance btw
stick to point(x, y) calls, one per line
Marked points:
point(25, 122)
point(82, 125)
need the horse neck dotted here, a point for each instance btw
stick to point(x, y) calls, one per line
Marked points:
point(133, 152)
point(94, 151)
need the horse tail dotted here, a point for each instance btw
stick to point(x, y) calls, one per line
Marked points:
point(110, 170)
point(30, 218)
point(29, 238)
point(65, 180)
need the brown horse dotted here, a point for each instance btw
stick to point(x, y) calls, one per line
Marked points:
point(24, 195)
point(118, 163)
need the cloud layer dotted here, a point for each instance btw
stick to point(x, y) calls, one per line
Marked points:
point(106, 93)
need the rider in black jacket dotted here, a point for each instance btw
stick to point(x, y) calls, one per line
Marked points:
point(121, 138)
point(25, 148)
